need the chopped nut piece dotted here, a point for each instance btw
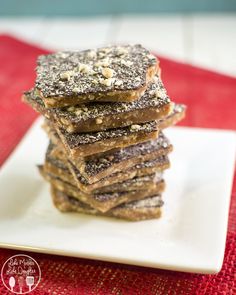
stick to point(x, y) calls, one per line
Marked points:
point(78, 112)
point(165, 144)
point(160, 93)
point(107, 82)
point(135, 127)
point(118, 82)
point(65, 75)
point(107, 72)
point(71, 109)
point(76, 90)
point(99, 121)
point(83, 68)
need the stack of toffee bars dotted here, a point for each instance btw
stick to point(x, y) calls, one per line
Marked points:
point(104, 111)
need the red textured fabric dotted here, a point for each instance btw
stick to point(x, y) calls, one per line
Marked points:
point(211, 100)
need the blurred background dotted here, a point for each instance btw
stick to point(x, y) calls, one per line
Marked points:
point(201, 33)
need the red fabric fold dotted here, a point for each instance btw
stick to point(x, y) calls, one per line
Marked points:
point(211, 101)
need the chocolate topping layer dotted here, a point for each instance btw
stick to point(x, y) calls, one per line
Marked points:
point(99, 196)
point(154, 96)
point(123, 186)
point(147, 164)
point(153, 201)
point(68, 73)
point(76, 139)
point(94, 166)
point(138, 181)
point(60, 164)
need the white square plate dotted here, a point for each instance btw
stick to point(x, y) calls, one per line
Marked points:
point(189, 237)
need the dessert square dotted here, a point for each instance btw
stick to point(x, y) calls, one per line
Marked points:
point(65, 169)
point(147, 208)
point(79, 145)
point(86, 144)
point(115, 73)
point(154, 104)
point(106, 200)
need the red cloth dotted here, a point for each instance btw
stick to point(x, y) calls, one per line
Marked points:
point(211, 100)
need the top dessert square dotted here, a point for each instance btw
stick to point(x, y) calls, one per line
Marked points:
point(115, 73)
